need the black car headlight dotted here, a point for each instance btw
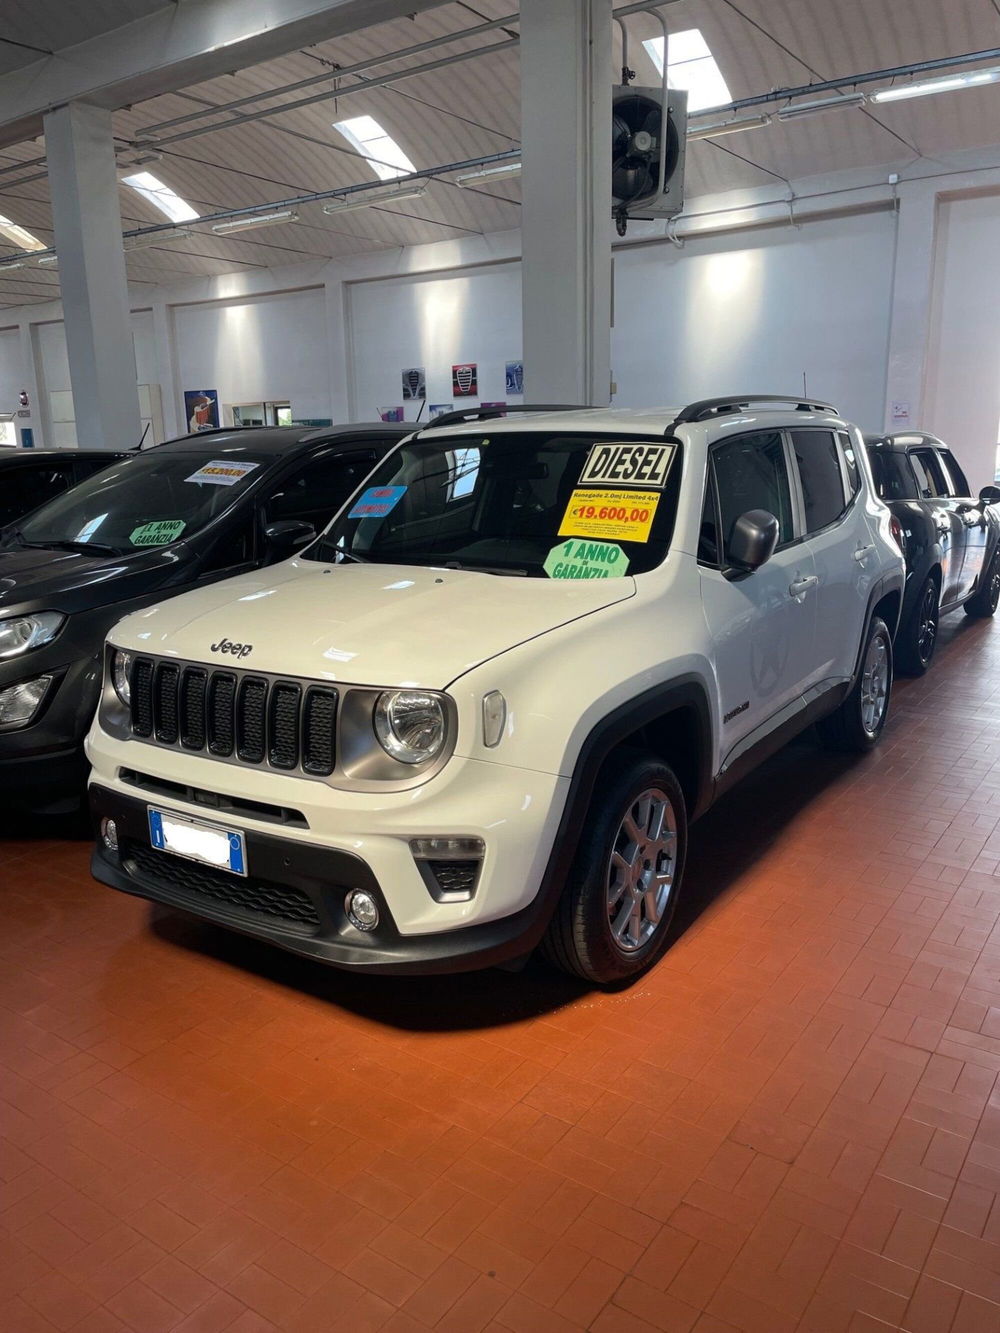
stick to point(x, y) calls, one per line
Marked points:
point(20, 634)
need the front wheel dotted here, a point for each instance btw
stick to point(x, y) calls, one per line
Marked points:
point(860, 720)
point(984, 603)
point(611, 922)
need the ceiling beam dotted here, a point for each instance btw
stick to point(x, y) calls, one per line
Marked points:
point(175, 47)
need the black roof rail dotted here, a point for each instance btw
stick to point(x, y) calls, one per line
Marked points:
point(717, 407)
point(463, 414)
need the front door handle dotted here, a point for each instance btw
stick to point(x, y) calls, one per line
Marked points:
point(798, 587)
point(863, 552)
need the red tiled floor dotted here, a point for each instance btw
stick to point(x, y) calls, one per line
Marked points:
point(791, 1126)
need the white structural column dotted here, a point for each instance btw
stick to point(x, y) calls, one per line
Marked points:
point(566, 80)
point(88, 231)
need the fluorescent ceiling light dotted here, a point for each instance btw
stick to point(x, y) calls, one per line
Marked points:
point(822, 104)
point(719, 127)
point(254, 220)
point(156, 238)
point(367, 137)
point(10, 263)
point(975, 78)
point(368, 198)
point(692, 68)
point(161, 196)
point(20, 235)
point(49, 259)
point(489, 174)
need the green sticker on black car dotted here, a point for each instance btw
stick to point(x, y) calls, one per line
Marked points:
point(161, 533)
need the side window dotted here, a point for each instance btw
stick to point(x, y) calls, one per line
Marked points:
point(28, 488)
point(708, 533)
point(929, 474)
point(958, 479)
point(851, 469)
point(317, 490)
point(821, 477)
point(750, 473)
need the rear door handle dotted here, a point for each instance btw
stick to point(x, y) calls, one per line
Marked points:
point(863, 552)
point(798, 587)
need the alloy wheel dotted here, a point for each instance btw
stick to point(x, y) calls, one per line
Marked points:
point(927, 624)
point(875, 685)
point(641, 869)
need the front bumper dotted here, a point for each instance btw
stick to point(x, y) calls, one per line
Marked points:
point(43, 764)
point(294, 897)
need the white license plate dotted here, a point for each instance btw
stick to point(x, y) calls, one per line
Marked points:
point(222, 848)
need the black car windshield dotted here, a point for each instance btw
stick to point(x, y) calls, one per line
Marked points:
point(536, 503)
point(150, 500)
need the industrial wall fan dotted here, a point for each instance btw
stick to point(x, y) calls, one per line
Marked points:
point(647, 153)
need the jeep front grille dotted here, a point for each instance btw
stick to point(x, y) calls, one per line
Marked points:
point(281, 724)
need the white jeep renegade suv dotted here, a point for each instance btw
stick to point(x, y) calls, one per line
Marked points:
point(480, 712)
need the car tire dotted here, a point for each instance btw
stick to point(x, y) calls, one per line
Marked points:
point(634, 834)
point(983, 604)
point(858, 723)
point(917, 638)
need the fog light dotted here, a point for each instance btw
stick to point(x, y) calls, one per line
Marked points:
point(109, 834)
point(20, 703)
point(362, 910)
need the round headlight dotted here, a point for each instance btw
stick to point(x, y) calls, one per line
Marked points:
point(121, 664)
point(410, 725)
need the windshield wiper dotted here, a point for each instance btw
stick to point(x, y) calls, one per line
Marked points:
point(485, 569)
point(85, 548)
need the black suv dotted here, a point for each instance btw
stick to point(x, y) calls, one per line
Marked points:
point(950, 538)
point(30, 477)
point(154, 524)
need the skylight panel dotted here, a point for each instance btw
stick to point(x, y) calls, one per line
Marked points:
point(20, 236)
point(161, 196)
point(692, 68)
point(367, 137)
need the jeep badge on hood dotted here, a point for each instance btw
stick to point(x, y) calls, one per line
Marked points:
point(240, 650)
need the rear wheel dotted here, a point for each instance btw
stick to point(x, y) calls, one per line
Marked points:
point(612, 920)
point(983, 604)
point(917, 638)
point(859, 721)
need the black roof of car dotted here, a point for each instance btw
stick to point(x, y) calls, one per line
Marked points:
point(903, 440)
point(279, 439)
point(43, 455)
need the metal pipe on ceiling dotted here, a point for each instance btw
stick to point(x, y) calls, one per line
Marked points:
point(328, 95)
point(359, 68)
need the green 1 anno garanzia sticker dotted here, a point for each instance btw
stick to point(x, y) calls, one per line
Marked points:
point(161, 533)
point(576, 559)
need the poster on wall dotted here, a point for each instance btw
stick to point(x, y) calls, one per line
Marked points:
point(514, 375)
point(496, 407)
point(438, 410)
point(415, 382)
point(201, 409)
point(391, 414)
point(464, 380)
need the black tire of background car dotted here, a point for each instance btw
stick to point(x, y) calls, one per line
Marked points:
point(579, 939)
point(984, 603)
point(844, 729)
point(913, 654)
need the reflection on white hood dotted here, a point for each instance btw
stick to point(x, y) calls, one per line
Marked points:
point(363, 624)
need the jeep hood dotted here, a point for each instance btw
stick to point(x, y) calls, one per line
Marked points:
point(363, 624)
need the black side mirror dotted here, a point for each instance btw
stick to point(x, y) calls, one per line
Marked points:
point(753, 539)
point(989, 495)
point(287, 536)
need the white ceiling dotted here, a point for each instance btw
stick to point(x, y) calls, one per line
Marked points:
point(472, 108)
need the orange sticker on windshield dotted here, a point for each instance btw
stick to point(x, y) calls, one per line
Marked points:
point(604, 515)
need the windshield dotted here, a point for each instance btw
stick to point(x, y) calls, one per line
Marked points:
point(149, 500)
point(546, 505)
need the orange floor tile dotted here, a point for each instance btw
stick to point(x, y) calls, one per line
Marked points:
point(792, 1124)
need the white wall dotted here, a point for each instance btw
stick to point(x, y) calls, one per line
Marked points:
point(11, 369)
point(962, 394)
point(257, 350)
point(753, 311)
point(434, 322)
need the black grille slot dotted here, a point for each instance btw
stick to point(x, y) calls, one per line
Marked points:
point(141, 687)
point(455, 878)
point(165, 702)
point(192, 708)
point(187, 879)
point(222, 714)
point(283, 725)
point(251, 711)
point(319, 721)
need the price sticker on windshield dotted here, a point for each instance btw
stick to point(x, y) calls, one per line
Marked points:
point(610, 515)
point(222, 472)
